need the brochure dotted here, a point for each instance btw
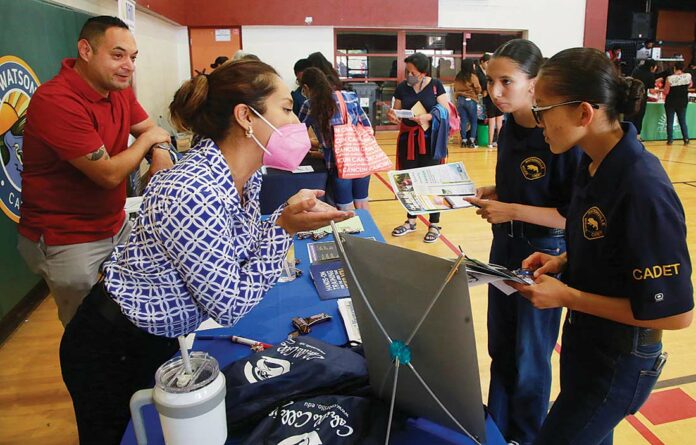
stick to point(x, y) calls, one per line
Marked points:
point(479, 273)
point(329, 279)
point(432, 189)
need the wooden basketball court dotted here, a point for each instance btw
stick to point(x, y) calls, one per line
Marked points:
point(37, 408)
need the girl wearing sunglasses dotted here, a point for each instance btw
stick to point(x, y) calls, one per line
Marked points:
point(526, 208)
point(626, 274)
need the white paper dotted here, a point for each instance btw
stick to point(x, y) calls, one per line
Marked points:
point(304, 169)
point(207, 324)
point(223, 35)
point(133, 204)
point(350, 322)
point(403, 114)
point(425, 190)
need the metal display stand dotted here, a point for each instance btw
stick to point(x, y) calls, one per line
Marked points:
point(415, 320)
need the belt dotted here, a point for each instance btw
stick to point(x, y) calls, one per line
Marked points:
point(109, 309)
point(520, 229)
point(646, 336)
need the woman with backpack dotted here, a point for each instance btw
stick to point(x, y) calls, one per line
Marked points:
point(323, 109)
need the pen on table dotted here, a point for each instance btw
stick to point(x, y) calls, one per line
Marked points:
point(235, 339)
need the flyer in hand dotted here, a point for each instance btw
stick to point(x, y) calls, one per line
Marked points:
point(432, 189)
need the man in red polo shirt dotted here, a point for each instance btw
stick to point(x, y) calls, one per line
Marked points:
point(77, 159)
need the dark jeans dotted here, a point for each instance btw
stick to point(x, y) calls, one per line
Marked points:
point(467, 114)
point(103, 364)
point(521, 339)
point(606, 374)
point(425, 160)
point(681, 117)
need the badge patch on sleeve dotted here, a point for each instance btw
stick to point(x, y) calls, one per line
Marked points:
point(533, 168)
point(594, 224)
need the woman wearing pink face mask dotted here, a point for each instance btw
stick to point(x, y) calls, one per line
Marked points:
point(198, 248)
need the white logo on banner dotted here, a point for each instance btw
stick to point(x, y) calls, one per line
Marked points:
point(303, 439)
point(265, 368)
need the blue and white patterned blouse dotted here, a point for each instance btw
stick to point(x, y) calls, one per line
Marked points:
point(196, 250)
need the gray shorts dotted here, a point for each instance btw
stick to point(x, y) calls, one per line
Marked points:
point(70, 270)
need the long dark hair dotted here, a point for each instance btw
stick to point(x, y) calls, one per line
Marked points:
point(467, 70)
point(321, 96)
point(205, 103)
point(524, 53)
point(320, 62)
point(586, 74)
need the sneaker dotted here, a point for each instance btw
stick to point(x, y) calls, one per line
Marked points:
point(686, 142)
point(495, 144)
point(669, 142)
point(490, 146)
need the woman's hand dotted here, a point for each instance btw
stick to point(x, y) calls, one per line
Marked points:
point(161, 160)
point(495, 212)
point(316, 154)
point(306, 212)
point(422, 119)
point(487, 192)
point(391, 116)
point(543, 263)
point(546, 293)
point(304, 194)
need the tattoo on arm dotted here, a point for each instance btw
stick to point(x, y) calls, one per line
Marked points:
point(98, 154)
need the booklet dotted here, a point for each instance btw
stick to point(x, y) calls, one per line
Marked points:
point(329, 279)
point(432, 189)
point(322, 251)
point(479, 273)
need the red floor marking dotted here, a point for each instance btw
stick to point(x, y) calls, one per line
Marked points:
point(644, 431)
point(668, 406)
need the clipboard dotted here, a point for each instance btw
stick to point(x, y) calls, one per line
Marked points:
point(418, 109)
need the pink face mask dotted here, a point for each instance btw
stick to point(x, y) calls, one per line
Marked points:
point(286, 147)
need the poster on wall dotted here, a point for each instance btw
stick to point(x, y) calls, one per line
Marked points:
point(126, 12)
point(18, 82)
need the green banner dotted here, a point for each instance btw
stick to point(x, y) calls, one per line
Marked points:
point(655, 123)
point(34, 38)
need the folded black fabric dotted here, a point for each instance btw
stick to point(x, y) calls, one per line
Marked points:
point(326, 420)
point(295, 369)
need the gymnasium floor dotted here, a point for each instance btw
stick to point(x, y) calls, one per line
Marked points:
point(35, 407)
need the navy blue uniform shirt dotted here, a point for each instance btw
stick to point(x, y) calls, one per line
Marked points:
point(528, 173)
point(427, 96)
point(626, 233)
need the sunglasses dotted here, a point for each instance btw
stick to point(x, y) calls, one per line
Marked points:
point(536, 111)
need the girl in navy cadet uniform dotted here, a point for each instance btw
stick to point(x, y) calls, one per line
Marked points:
point(413, 147)
point(526, 207)
point(626, 273)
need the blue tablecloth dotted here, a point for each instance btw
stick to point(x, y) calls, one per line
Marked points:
point(270, 322)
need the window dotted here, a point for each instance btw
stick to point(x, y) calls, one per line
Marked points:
point(372, 60)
